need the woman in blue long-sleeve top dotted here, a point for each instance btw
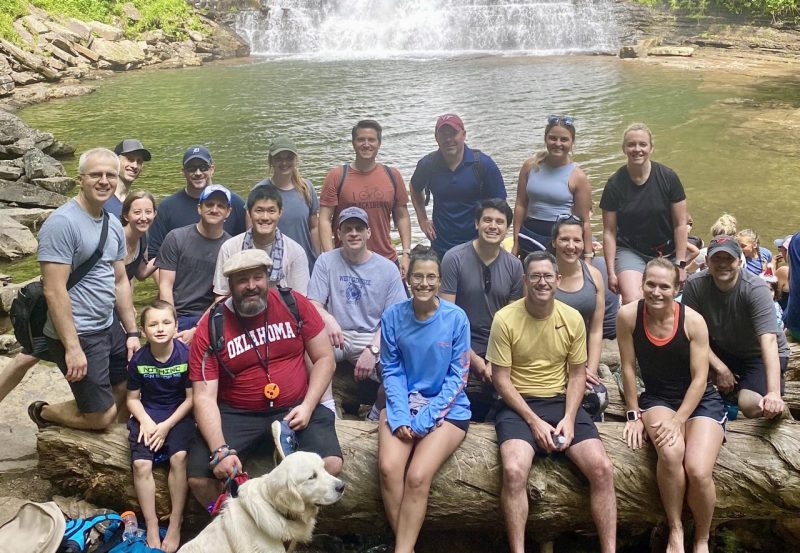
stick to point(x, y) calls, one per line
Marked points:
point(425, 359)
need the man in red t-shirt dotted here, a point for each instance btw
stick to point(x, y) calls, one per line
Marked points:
point(368, 185)
point(259, 376)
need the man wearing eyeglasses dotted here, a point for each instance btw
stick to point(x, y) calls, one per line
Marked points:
point(86, 341)
point(351, 287)
point(180, 209)
point(537, 348)
point(458, 177)
point(481, 278)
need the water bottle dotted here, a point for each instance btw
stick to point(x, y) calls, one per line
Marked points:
point(131, 526)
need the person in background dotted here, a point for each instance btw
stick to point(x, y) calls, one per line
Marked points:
point(758, 259)
point(425, 357)
point(161, 426)
point(132, 155)
point(300, 214)
point(551, 185)
point(792, 317)
point(782, 271)
point(458, 177)
point(680, 410)
point(644, 215)
point(725, 225)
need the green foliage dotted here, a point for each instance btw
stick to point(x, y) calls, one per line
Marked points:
point(777, 9)
point(12, 9)
point(86, 10)
point(171, 16)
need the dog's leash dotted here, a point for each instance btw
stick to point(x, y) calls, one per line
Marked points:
point(230, 489)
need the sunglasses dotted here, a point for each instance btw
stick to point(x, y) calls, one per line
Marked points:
point(566, 120)
point(194, 168)
point(569, 218)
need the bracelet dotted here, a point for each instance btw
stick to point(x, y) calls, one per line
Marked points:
point(133, 334)
point(219, 454)
point(588, 256)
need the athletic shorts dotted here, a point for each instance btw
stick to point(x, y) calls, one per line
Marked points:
point(510, 426)
point(710, 406)
point(245, 431)
point(180, 437)
point(461, 424)
point(107, 361)
point(751, 373)
point(41, 349)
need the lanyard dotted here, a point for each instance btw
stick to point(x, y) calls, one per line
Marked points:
point(271, 390)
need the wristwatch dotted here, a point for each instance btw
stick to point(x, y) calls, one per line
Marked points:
point(632, 416)
point(132, 334)
point(374, 350)
point(681, 264)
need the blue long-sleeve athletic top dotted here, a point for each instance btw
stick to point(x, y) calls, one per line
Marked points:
point(430, 357)
point(792, 316)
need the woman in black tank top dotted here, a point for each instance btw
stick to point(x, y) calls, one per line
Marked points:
point(680, 411)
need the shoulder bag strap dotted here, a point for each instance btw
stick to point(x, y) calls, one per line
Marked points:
point(76, 275)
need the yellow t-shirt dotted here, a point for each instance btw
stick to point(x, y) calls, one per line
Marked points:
point(537, 350)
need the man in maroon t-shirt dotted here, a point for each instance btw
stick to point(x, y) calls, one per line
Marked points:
point(258, 377)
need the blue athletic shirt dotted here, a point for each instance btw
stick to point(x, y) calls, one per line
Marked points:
point(163, 385)
point(430, 357)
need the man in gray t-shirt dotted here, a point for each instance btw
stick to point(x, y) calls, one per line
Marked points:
point(749, 351)
point(481, 278)
point(351, 287)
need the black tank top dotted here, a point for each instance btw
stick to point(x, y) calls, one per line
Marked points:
point(665, 368)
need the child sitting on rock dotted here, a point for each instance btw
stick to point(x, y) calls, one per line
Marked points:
point(161, 426)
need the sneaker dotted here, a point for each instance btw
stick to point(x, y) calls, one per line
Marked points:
point(35, 413)
point(284, 438)
point(374, 414)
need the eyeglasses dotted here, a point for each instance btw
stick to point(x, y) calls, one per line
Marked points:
point(535, 278)
point(487, 279)
point(418, 278)
point(194, 168)
point(566, 120)
point(98, 175)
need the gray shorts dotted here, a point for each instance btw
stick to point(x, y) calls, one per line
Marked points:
point(107, 361)
point(627, 259)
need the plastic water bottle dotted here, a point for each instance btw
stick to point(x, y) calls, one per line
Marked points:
point(131, 526)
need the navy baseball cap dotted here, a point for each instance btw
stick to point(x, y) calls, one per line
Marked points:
point(352, 212)
point(214, 189)
point(197, 152)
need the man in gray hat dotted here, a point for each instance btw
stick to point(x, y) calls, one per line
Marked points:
point(264, 346)
point(132, 155)
point(749, 353)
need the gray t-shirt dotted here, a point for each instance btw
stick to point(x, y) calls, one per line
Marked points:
point(70, 236)
point(463, 275)
point(193, 257)
point(294, 218)
point(356, 294)
point(735, 318)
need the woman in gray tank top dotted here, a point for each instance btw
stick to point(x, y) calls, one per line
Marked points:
point(581, 286)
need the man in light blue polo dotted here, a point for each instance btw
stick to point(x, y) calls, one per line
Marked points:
point(458, 177)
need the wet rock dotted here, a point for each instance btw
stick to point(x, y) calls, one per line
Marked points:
point(124, 54)
point(31, 217)
point(682, 51)
point(39, 165)
point(26, 77)
point(7, 85)
point(222, 43)
point(105, 31)
point(130, 11)
point(25, 194)
point(59, 185)
point(635, 51)
point(16, 240)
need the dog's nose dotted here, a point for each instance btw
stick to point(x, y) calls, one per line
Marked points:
point(339, 487)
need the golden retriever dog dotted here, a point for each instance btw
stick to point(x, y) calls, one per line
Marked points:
point(275, 508)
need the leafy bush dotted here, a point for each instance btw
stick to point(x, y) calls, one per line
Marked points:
point(777, 9)
point(12, 9)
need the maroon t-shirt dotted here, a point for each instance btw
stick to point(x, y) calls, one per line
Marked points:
point(277, 336)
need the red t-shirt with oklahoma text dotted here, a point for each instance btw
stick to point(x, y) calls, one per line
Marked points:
point(278, 335)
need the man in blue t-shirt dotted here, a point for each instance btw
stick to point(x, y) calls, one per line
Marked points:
point(180, 209)
point(458, 177)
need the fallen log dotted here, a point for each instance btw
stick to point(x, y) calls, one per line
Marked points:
point(757, 476)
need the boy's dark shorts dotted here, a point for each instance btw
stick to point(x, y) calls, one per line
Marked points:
point(245, 431)
point(180, 437)
point(106, 359)
point(510, 426)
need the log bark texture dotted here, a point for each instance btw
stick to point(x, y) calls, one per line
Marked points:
point(757, 476)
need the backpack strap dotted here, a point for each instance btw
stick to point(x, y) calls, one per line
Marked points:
point(391, 178)
point(427, 165)
point(345, 167)
point(478, 170)
point(84, 268)
point(291, 303)
point(77, 529)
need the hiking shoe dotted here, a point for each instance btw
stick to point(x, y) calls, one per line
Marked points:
point(285, 440)
point(35, 413)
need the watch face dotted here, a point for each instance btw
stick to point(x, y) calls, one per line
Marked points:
point(631, 416)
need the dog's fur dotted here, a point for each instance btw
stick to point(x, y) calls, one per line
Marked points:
point(278, 507)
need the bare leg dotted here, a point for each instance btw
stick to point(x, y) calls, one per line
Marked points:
point(703, 442)
point(671, 477)
point(14, 372)
point(146, 495)
point(205, 490)
point(591, 458)
point(120, 392)
point(333, 465)
point(178, 489)
point(428, 456)
point(748, 404)
point(630, 286)
point(517, 458)
point(393, 454)
point(68, 414)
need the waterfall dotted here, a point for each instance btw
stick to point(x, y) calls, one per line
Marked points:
point(381, 28)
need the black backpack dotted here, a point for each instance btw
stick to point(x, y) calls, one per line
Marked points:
point(477, 169)
point(346, 167)
point(216, 332)
point(29, 309)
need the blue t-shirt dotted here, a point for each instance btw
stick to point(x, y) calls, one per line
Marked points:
point(163, 385)
point(792, 316)
point(114, 206)
point(759, 264)
point(430, 357)
point(456, 194)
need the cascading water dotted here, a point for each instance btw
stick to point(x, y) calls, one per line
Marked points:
point(381, 28)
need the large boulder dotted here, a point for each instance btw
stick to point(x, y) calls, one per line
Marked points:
point(10, 170)
point(25, 194)
point(16, 240)
point(105, 31)
point(124, 54)
point(680, 51)
point(59, 185)
point(8, 293)
point(31, 217)
point(39, 165)
point(7, 85)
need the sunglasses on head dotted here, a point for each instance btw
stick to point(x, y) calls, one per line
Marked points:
point(569, 218)
point(566, 120)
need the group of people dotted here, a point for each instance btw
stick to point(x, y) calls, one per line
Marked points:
point(262, 300)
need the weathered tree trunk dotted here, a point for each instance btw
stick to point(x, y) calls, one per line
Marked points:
point(757, 476)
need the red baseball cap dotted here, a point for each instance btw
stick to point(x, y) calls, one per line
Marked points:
point(450, 120)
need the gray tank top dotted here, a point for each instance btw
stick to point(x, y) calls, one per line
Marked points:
point(548, 192)
point(583, 300)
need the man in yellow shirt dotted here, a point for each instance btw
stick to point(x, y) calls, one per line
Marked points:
point(537, 348)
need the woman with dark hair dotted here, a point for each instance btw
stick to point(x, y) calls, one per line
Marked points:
point(644, 215)
point(680, 410)
point(550, 185)
point(138, 213)
point(425, 356)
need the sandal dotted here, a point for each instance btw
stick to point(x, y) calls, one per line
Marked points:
point(35, 413)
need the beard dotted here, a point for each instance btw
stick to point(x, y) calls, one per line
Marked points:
point(250, 305)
